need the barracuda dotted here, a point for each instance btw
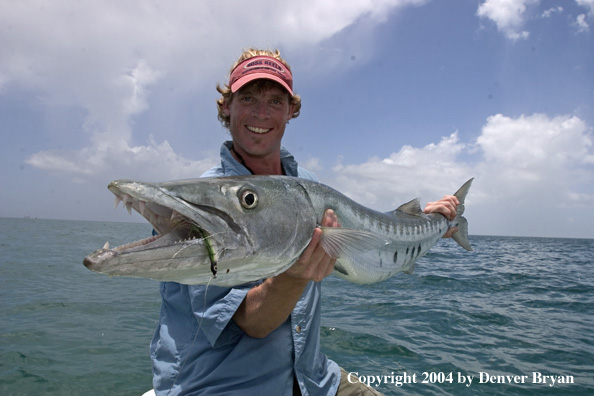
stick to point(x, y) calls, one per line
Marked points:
point(232, 230)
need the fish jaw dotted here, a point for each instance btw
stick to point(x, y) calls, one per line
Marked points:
point(181, 261)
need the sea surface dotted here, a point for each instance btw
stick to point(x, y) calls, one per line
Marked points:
point(517, 310)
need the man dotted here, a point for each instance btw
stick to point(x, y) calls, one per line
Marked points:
point(261, 338)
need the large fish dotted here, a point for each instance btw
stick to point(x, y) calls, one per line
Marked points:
point(232, 230)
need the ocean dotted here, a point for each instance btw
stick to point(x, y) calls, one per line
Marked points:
point(514, 317)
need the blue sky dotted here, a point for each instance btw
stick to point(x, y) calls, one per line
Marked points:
point(401, 99)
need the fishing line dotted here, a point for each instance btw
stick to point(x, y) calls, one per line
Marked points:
point(207, 245)
point(195, 336)
point(189, 243)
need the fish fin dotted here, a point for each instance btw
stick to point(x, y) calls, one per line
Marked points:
point(461, 236)
point(412, 208)
point(462, 191)
point(348, 242)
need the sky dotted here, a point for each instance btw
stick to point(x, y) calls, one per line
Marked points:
point(401, 99)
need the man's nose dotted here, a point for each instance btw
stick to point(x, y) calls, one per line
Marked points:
point(261, 110)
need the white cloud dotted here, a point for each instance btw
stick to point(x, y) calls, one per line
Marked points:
point(313, 164)
point(555, 10)
point(104, 57)
point(581, 24)
point(158, 161)
point(536, 159)
point(535, 142)
point(508, 15)
point(429, 172)
point(589, 4)
point(530, 161)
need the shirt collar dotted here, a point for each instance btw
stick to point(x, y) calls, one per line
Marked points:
point(231, 165)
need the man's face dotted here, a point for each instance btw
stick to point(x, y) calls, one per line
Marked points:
point(258, 116)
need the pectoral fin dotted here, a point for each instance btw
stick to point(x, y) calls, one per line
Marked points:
point(347, 242)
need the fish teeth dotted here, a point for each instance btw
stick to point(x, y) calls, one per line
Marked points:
point(129, 207)
point(117, 202)
point(106, 246)
point(126, 198)
point(142, 207)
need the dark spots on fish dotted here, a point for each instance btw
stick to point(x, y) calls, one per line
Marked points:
point(228, 270)
point(381, 262)
point(412, 254)
point(341, 269)
point(395, 256)
point(419, 251)
point(406, 254)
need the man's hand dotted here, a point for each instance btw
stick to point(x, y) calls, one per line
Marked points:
point(447, 207)
point(314, 263)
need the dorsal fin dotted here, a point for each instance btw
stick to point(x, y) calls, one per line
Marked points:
point(412, 208)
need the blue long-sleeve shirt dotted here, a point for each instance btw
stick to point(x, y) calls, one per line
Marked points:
point(198, 349)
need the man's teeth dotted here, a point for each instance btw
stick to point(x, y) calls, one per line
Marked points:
point(258, 130)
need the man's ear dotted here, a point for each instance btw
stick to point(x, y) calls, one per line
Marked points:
point(226, 109)
point(227, 106)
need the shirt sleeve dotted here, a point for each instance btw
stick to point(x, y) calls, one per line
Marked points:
point(214, 308)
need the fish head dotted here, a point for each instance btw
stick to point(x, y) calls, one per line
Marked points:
point(225, 231)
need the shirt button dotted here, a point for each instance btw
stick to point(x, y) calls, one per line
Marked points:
point(298, 329)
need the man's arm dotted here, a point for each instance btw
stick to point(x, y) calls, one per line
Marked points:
point(269, 304)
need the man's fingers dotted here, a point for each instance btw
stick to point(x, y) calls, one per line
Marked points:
point(308, 252)
point(330, 219)
point(450, 232)
point(315, 264)
point(446, 206)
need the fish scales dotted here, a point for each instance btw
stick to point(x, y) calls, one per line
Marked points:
point(232, 230)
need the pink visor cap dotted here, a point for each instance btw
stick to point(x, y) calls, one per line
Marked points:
point(261, 67)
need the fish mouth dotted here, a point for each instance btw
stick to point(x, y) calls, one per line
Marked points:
point(178, 234)
point(170, 227)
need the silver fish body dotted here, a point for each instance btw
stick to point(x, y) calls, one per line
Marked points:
point(232, 230)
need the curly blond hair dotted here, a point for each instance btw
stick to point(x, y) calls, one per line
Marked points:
point(227, 95)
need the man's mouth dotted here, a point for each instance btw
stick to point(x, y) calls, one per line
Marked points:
point(258, 130)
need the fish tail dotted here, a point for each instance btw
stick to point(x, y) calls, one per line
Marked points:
point(461, 236)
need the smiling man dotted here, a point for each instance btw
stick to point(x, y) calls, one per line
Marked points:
point(262, 103)
point(261, 338)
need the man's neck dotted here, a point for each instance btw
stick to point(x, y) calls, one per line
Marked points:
point(270, 165)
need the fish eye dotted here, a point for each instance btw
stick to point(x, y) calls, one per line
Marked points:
point(249, 199)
